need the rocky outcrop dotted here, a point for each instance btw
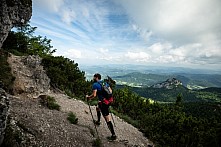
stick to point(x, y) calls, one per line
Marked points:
point(168, 84)
point(13, 13)
point(4, 107)
point(31, 78)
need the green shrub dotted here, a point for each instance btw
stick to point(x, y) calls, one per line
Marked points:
point(52, 103)
point(93, 102)
point(72, 118)
point(96, 142)
point(49, 102)
point(66, 75)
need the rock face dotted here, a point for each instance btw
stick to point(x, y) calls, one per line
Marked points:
point(31, 78)
point(4, 107)
point(13, 13)
point(168, 84)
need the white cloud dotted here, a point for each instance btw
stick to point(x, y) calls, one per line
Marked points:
point(73, 54)
point(184, 24)
point(145, 34)
point(160, 48)
point(102, 50)
point(128, 31)
point(138, 56)
point(170, 19)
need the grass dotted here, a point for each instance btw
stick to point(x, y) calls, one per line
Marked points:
point(50, 102)
point(72, 118)
point(96, 142)
point(93, 102)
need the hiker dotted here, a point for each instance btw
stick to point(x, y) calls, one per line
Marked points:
point(101, 107)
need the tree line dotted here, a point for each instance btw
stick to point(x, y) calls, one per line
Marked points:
point(173, 124)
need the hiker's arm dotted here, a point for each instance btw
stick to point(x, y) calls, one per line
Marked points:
point(93, 95)
point(110, 89)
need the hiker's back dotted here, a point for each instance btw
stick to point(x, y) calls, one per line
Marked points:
point(98, 87)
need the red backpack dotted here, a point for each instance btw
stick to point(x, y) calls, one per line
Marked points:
point(106, 93)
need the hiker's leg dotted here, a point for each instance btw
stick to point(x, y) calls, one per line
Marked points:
point(105, 113)
point(107, 118)
point(98, 114)
point(111, 127)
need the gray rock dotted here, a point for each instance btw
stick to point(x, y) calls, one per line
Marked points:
point(4, 112)
point(13, 13)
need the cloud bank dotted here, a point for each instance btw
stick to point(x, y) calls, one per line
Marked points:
point(170, 32)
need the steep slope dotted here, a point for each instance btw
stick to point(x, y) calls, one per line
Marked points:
point(39, 126)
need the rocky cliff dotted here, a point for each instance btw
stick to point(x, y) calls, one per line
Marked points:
point(168, 84)
point(13, 13)
point(4, 107)
point(31, 79)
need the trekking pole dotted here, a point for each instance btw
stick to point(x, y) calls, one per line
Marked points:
point(93, 119)
point(112, 117)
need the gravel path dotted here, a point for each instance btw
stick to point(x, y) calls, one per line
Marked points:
point(51, 127)
point(126, 133)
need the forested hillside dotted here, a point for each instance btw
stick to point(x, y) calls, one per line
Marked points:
point(191, 81)
point(169, 95)
point(173, 124)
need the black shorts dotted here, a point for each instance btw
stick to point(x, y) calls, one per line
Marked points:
point(104, 109)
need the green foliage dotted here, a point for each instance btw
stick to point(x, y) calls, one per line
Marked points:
point(50, 102)
point(169, 125)
point(65, 75)
point(97, 142)
point(93, 102)
point(169, 95)
point(23, 42)
point(6, 77)
point(72, 118)
point(190, 80)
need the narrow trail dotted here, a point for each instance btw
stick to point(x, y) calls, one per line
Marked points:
point(126, 133)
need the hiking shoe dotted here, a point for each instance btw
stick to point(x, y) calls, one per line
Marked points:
point(113, 137)
point(97, 123)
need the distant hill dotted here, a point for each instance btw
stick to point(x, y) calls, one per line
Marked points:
point(191, 81)
point(168, 84)
point(140, 79)
point(167, 91)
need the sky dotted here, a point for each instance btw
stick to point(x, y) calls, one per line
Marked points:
point(184, 33)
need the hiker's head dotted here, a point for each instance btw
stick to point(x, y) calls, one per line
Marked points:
point(97, 77)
